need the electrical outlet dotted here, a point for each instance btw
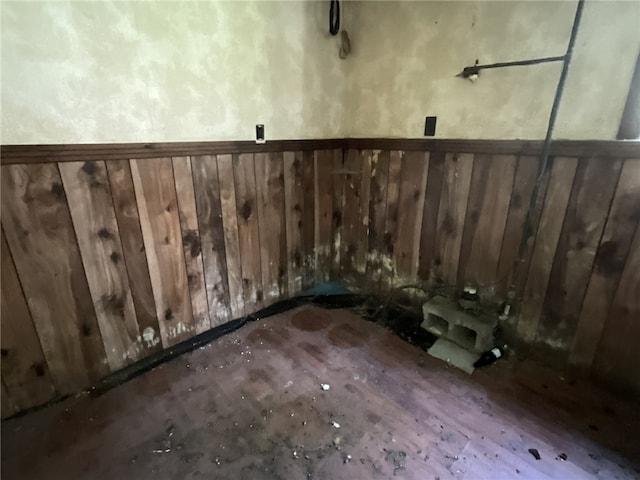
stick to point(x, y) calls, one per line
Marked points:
point(260, 134)
point(430, 126)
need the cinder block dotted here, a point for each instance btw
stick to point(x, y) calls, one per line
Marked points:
point(445, 318)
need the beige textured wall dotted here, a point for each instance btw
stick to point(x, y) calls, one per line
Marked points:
point(405, 56)
point(80, 72)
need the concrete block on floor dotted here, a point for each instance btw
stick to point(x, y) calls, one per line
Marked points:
point(445, 318)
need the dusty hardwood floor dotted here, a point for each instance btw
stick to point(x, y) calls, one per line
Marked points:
point(250, 406)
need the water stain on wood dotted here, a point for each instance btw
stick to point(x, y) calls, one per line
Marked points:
point(94, 174)
point(608, 259)
point(86, 330)
point(268, 336)
point(115, 257)
point(39, 369)
point(245, 210)
point(345, 336)
point(310, 320)
point(191, 241)
point(58, 190)
point(113, 304)
point(314, 350)
point(105, 234)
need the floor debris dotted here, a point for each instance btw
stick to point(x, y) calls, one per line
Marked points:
point(535, 453)
point(397, 459)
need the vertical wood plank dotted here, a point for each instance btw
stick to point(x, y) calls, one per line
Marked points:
point(488, 205)
point(388, 275)
point(8, 407)
point(293, 214)
point(555, 205)
point(323, 201)
point(233, 261)
point(191, 243)
point(594, 185)
point(451, 216)
point(413, 184)
point(617, 355)
point(248, 233)
point(212, 235)
point(135, 258)
point(351, 213)
point(377, 214)
point(24, 371)
point(430, 214)
point(523, 183)
point(157, 204)
point(513, 291)
point(609, 262)
point(308, 219)
point(338, 209)
point(38, 228)
point(362, 242)
point(94, 219)
point(271, 219)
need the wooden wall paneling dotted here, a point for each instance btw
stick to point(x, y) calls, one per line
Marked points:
point(157, 205)
point(523, 183)
point(513, 284)
point(413, 184)
point(135, 258)
point(207, 191)
point(308, 219)
point(610, 258)
point(233, 261)
point(338, 209)
point(8, 407)
point(565, 148)
point(546, 241)
point(38, 228)
point(377, 216)
point(91, 206)
point(23, 154)
point(323, 202)
point(456, 181)
point(488, 206)
point(362, 242)
point(24, 369)
point(246, 202)
point(594, 185)
point(351, 215)
point(430, 215)
point(192, 246)
point(391, 219)
point(271, 219)
point(293, 214)
point(616, 360)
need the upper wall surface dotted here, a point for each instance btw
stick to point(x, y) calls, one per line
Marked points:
point(91, 72)
point(406, 55)
point(96, 72)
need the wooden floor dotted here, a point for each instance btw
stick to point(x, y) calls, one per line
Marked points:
point(250, 406)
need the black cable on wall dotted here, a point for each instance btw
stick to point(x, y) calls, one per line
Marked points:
point(334, 17)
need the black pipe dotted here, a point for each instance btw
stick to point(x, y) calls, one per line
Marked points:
point(544, 159)
point(334, 17)
point(475, 69)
